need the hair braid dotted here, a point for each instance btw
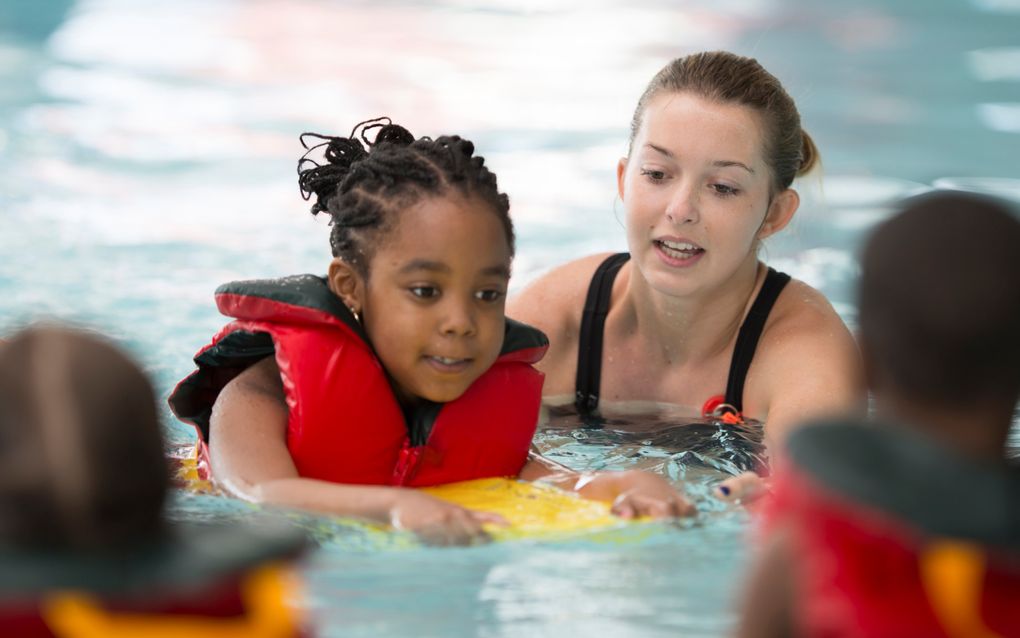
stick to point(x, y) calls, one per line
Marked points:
point(364, 183)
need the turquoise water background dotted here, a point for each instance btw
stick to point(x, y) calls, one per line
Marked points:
point(148, 149)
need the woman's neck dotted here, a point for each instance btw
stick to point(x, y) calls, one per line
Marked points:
point(693, 328)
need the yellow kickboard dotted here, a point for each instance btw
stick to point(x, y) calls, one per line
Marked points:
point(532, 509)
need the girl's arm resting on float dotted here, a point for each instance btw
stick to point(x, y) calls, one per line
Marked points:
point(250, 460)
point(632, 492)
point(249, 456)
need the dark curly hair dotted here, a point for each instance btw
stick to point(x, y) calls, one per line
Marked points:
point(363, 184)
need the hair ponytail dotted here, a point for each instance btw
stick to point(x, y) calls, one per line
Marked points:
point(809, 156)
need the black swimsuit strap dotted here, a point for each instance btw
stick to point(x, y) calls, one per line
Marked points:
point(593, 321)
point(750, 332)
point(589, 343)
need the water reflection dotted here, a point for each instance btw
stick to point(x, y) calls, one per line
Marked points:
point(668, 441)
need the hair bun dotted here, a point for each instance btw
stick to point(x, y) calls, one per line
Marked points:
point(344, 151)
point(393, 134)
point(341, 154)
point(322, 179)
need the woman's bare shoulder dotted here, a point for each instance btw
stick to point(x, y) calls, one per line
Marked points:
point(804, 332)
point(803, 312)
point(807, 363)
point(553, 302)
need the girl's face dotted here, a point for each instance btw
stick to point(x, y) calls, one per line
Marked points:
point(432, 304)
point(696, 192)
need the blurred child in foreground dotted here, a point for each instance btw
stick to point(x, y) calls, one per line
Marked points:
point(84, 547)
point(911, 526)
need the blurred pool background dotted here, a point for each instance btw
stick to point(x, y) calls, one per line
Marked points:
point(148, 150)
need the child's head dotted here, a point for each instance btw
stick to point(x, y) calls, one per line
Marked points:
point(422, 244)
point(940, 303)
point(81, 455)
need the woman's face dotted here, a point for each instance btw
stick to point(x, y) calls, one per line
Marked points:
point(696, 192)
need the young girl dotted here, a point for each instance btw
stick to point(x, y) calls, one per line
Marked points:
point(399, 369)
point(691, 316)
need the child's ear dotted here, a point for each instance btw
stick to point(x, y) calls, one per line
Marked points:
point(781, 211)
point(347, 283)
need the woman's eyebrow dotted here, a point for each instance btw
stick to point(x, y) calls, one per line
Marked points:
point(659, 149)
point(720, 163)
point(728, 163)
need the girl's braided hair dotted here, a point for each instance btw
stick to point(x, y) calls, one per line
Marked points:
point(363, 184)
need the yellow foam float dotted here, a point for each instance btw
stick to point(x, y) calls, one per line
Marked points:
point(534, 510)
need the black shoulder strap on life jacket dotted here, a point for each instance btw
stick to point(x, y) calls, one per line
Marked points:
point(235, 299)
point(520, 336)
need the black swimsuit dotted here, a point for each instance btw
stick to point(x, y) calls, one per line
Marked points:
point(593, 321)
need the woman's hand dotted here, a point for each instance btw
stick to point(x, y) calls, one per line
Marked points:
point(744, 488)
point(633, 493)
point(645, 494)
point(437, 522)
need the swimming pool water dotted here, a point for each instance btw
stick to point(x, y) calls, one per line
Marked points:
point(147, 153)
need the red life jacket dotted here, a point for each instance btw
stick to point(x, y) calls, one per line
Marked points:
point(198, 581)
point(345, 424)
point(893, 536)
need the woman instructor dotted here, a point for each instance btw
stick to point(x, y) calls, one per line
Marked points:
point(691, 316)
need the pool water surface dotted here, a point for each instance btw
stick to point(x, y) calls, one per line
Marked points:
point(148, 150)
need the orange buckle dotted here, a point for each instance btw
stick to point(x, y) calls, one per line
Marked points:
point(717, 408)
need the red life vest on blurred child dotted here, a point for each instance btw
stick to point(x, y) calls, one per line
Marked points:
point(196, 581)
point(894, 536)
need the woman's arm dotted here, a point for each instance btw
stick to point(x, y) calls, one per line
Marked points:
point(633, 492)
point(249, 457)
point(807, 366)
